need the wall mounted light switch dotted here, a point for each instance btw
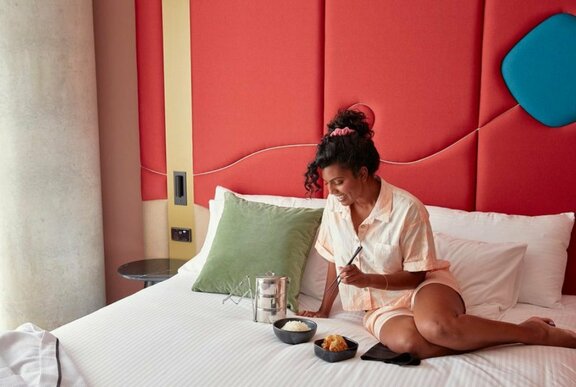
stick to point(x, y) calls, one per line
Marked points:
point(180, 195)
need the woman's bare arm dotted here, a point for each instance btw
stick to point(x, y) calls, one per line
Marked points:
point(401, 280)
point(330, 293)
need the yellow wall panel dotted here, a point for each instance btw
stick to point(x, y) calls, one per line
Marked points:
point(178, 107)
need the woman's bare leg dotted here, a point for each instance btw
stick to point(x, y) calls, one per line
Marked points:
point(400, 335)
point(439, 318)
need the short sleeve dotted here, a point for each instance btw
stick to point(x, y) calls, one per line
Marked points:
point(324, 241)
point(417, 244)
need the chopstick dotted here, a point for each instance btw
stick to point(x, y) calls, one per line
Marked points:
point(338, 279)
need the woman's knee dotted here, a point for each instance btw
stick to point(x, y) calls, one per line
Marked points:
point(437, 312)
point(408, 341)
point(440, 330)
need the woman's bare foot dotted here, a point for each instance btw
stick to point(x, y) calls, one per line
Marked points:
point(544, 332)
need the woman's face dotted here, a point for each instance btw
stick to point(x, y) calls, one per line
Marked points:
point(342, 183)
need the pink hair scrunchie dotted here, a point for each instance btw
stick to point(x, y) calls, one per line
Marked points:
point(342, 132)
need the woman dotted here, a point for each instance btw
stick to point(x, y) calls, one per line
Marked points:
point(412, 301)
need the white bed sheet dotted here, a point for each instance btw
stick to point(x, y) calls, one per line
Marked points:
point(167, 335)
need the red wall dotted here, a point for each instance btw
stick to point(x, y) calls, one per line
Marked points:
point(151, 98)
point(258, 77)
point(267, 75)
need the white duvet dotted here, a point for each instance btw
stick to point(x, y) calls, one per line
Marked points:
point(167, 335)
point(31, 356)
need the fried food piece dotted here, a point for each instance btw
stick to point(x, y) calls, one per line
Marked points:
point(334, 343)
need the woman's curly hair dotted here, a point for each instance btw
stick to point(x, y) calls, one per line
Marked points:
point(352, 151)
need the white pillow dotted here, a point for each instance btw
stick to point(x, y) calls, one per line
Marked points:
point(314, 278)
point(315, 271)
point(195, 264)
point(488, 273)
point(282, 201)
point(547, 237)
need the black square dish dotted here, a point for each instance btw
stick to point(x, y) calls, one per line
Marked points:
point(333, 357)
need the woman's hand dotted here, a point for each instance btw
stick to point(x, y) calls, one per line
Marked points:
point(309, 313)
point(330, 293)
point(351, 275)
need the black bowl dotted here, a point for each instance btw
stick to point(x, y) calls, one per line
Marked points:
point(333, 357)
point(294, 337)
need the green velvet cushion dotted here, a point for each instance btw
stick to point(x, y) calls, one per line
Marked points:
point(255, 238)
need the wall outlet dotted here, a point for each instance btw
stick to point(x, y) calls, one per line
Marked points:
point(181, 234)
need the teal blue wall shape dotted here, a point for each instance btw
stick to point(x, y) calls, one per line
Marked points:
point(540, 71)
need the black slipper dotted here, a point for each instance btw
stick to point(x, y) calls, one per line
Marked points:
point(380, 352)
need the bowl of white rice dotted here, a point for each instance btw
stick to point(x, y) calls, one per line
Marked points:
point(295, 330)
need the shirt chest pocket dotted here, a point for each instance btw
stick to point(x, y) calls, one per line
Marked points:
point(387, 258)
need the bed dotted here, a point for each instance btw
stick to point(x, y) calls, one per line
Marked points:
point(166, 335)
point(169, 335)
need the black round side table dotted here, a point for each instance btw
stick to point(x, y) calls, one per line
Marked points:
point(151, 271)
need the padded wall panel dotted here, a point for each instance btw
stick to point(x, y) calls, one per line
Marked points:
point(527, 168)
point(505, 23)
point(446, 179)
point(417, 66)
point(524, 166)
point(151, 98)
point(257, 76)
point(268, 74)
point(275, 172)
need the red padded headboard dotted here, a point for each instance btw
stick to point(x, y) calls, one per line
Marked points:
point(524, 167)
point(446, 125)
point(417, 68)
point(257, 76)
point(151, 99)
point(267, 76)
